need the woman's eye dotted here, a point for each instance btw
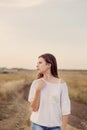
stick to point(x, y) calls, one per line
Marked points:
point(40, 62)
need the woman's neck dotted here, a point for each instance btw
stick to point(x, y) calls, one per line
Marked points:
point(48, 76)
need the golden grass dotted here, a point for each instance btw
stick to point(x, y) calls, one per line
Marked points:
point(11, 83)
point(8, 89)
point(27, 75)
point(76, 81)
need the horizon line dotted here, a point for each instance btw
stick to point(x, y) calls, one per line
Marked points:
point(23, 68)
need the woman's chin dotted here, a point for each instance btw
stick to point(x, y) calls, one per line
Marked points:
point(39, 71)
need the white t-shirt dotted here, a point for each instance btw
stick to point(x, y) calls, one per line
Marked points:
point(54, 102)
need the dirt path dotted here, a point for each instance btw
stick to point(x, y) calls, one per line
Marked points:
point(69, 127)
point(78, 117)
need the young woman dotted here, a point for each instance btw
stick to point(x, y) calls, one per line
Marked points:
point(48, 97)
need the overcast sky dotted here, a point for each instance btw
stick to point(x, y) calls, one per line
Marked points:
point(29, 29)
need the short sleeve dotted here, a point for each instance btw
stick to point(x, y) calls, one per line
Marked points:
point(32, 91)
point(65, 100)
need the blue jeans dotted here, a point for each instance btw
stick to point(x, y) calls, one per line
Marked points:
point(39, 127)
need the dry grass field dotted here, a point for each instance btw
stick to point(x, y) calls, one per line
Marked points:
point(14, 89)
point(77, 82)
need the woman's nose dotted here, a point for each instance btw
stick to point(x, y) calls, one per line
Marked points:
point(37, 66)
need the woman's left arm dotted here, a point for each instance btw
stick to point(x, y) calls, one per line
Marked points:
point(65, 106)
point(64, 121)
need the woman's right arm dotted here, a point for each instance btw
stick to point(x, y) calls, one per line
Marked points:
point(36, 101)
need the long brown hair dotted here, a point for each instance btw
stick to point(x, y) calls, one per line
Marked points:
point(49, 58)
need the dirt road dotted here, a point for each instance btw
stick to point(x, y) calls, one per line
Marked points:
point(69, 127)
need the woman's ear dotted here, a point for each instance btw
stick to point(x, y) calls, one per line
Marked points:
point(49, 65)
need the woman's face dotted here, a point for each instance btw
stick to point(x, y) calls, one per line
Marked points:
point(42, 65)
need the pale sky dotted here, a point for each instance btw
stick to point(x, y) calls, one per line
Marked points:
point(29, 29)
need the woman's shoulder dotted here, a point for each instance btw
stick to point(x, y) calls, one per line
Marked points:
point(60, 80)
point(63, 83)
point(36, 80)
